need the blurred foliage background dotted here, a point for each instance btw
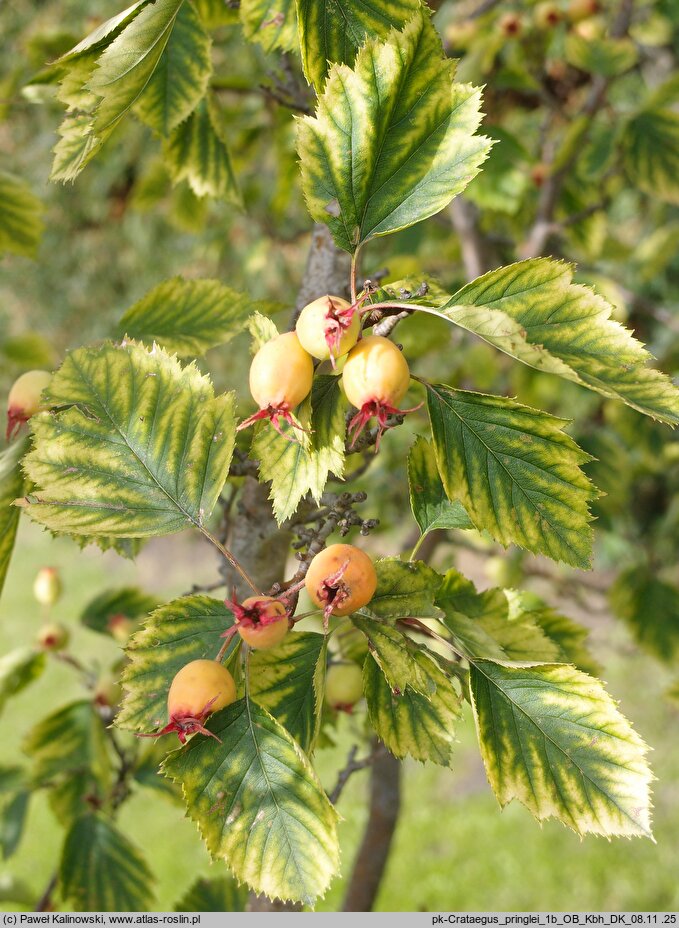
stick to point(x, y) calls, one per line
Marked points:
point(582, 98)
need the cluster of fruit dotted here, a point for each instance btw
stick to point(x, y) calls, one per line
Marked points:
point(375, 375)
point(546, 15)
point(340, 580)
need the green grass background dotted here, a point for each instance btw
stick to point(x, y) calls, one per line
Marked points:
point(454, 849)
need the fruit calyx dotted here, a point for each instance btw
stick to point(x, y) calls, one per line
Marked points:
point(338, 320)
point(333, 593)
point(274, 414)
point(381, 412)
point(185, 725)
point(255, 612)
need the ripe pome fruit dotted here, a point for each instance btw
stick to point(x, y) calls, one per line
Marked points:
point(581, 9)
point(510, 24)
point(340, 580)
point(53, 637)
point(47, 586)
point(375, 379)
point(343, 685)
point(328, 327)
point(24, 399)
point(547, 15)
point(261, 621)
point(197, 690)
point(281, 374)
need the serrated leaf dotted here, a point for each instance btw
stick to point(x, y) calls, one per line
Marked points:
point(516, 472)
point(18, 669)
point(76, 147)
point(147, 770)
point(405, 588)
point(298, 462)
point(218, 894)
point(139, 446)
point(181, 76)
point(484, 625)
point(21, 224)
point(568, 636)
point(332, 31)
point(74, 794)
point(11, 486)
point(650, 607)
point(181, 631)
point(216, 13)
point(120, 603)
point(102, 871)
point(651, 148)
point(605, 56)
point(552, 738)
point(393, 139)
point(127, 65)
point(197, 153)
point(413, 724)
point(259, 805)
point(288, 682)
point(396, 655)
point(187, 317)
point(72, 738)
point(104, 34)
point(431, 507)
point(272, 23)
point(533, 312)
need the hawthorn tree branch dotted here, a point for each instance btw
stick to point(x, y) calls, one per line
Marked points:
point(352, 766)
point(327, 270)
point(477, 256)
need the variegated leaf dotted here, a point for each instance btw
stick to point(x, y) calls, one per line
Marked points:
point(516, 472)
point(397, 656)
point(139, 445)
point(21, 223)
point(11, 487)
point(430, 505)
point(651, 146)
point(272, 23)
point(405, 588)
point(393, 140)
point(258, 804)
point(552, 738)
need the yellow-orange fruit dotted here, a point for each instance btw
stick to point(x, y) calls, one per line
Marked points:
point(375, 372)
point(343, 685)
point(262, 622)
point(341, 579)
point(199, 689)
point(328, 327)
point(25, 398)
point(281, 373)
point(53, 637)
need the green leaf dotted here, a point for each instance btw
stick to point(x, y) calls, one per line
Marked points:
point(533, 312)
point(21, 224)
point(604, 56)
point(12, 822)
point(392, 141)
point(181, 77)
point(405, 588)
point(410, 723)
point(332, 31)
point(187, 317)
point(181, 631)
point(102, 871)
point(552, 738)
point(430, 505)
point(140, 445)
point(651, 609)
point(484, 626)
point(396, 655)
point(197, 153)
point(262, 329)
point(104, 34)
point(126, 67)
point(18, 669)
point(11, 487)
point(651, 148)
point(219, 894)
point(216, 13)
point(76, 147)
point(516, 472)
point(301, 462)
point(147, 773)
point(259, 805)
point(272, 23)
point(120, 603)
point(74, 794)
point(288, 681)
point(72, 738)
point(569, 637)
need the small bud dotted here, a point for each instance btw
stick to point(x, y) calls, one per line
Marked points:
point(53, 637)
point(47, 586)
